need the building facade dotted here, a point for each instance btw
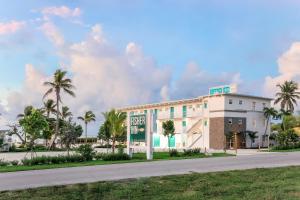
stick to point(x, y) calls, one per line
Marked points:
point(208, 122)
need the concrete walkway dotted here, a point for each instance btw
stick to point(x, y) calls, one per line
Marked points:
point(51, 177)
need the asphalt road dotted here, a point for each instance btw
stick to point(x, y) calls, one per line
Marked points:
point(51, 177)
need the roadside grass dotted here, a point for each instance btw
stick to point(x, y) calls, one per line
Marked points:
point(285, 150)
point(275, 183)
point(137, 157)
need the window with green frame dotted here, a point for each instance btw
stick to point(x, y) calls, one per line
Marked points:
point(183, 111)
point(145, 111)
point(156, 141)
point(172, 112)
point(183, 124)
point(172, 141)
point(205, 104)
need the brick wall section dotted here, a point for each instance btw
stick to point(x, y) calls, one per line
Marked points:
point(216, 133)
point(219, 126)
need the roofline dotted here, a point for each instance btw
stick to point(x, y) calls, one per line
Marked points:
point(176, 102)
point(248, 96)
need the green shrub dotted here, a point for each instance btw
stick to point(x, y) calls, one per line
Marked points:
point(47, 160)
point(196, 151)
point(99, 156)
point(187, 152)
point(120, 149)
point(12, 148)
point(115, 157)
point(86, 151)
point(173, 153)
point(14, 162)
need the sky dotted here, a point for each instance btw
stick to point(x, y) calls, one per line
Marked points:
point(122, 52)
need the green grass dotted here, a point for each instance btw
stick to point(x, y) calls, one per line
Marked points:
point(276, 183)
point(285, 150)
point(138, 157)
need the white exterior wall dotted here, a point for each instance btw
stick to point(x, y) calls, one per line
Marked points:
point(217, 106)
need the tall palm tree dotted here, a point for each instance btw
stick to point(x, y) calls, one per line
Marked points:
point(88, 117)
point(66, 112)
point(49, 107)
point(288, 95)
point(116, 121)
point(58, 85)
point(268, 113)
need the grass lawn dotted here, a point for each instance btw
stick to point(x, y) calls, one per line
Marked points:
point(276, 183)
point(286, 150)
point(138, 157)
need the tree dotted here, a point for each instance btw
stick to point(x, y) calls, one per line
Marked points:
point(66, 113)
point(27, 112)
point(59, 83)
point(288, 95)
point(105, 132)
point(88, 117)
point(49, 107)
point(70, 131)
point(283, 114)
point(169, 130)
point(268, 113)
point(116, 122)
point(14, 130)
point(34, 125)
point(252, 135)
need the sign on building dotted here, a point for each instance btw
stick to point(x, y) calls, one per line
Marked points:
point(138, 128)
point(226, 89)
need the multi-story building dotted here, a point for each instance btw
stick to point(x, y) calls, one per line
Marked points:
point(208, 121)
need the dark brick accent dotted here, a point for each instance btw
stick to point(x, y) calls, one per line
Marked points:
point(218, 126)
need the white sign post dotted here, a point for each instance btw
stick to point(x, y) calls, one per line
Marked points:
point(148, 138)
point(149, 149)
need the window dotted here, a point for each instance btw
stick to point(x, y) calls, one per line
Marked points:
point(230, 101)
point(254, 123)
point(240, 102)
point(230, 121)
point(264, 105)
point(205, 123)
point(145, 111)
point(183, 111)
point(183, 124)
point(240, 121)
point(172, 112)
point(205, 105)
point(253, 106)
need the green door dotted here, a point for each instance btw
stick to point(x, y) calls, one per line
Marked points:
point(172, 141)
point(156, 141)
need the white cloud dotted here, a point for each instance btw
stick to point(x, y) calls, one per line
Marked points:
point(62, 11)
point(194, 81)
point(288, 68)
point(11, 27)
point(52, 32)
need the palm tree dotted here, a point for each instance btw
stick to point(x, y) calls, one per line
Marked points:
point(268, 113)
point(49, 107)
point(59, 83)
point(27, 112)
point(252, 135)
point(288, 95)
point(88, 117)
point(116, 121)
point(169, 130)
point(66, 112)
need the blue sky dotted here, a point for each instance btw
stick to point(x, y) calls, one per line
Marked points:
point(243, 39)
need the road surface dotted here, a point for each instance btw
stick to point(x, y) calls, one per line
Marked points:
point(51, 177)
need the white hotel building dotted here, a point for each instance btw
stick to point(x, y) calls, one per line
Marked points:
point(202, 122)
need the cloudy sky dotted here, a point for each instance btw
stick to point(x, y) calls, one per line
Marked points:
point(124, 52)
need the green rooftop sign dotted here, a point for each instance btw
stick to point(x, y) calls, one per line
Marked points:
point(222, 90)
point(138, 128)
